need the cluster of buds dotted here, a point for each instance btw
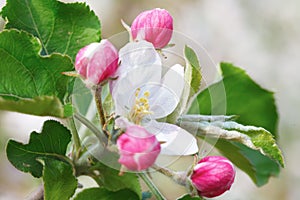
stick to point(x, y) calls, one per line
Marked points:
point(97, 62)
point(138, 148)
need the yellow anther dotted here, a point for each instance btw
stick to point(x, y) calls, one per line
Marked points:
point(137, 92)
point(141, 107)
point(146, 94)
point(143, 100)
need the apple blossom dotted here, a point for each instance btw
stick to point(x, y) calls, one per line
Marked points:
point(213, 175)
point(142, 95)
point(155, 26)
point(96, 62)
point(138, 148)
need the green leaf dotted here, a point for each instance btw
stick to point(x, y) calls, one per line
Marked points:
point(69, 110)
point(82, 98)
point(51, 142)
point(35, 106)
point(107, 100)
point(262, 139)
point(30, 83)
point(250, 148)
point(188, 197)
point(256, 138)
point(192, 77)
point(194, 73)
point(252, 162)
point(62, 28)
point(254, 105)
point(112, 181)
point(103, 194)
point(59, 181)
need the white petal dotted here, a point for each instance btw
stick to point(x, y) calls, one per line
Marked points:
point(138, 55)
point(123, 123)
point(176, 141)
point(140, 64)
point(124, 88)
point(174, 79)
point(121, 95)
point(141, 53)
point(162, 100)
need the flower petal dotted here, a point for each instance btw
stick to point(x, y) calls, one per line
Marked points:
point(175, 140)
point(137, 54)
point(123, 91)
point(174, 79)
point(140, 64)
point(162, 100)
point(141, 53)
point(123, 123)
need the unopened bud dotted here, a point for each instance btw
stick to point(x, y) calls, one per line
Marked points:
point(155, 26)
point(213, 175)
point(138, 148)
point(96, 62)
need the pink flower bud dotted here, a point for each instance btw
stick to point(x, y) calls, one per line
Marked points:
point(213, 175)
point(155, 26)
point(138, 148)
point(97, 61)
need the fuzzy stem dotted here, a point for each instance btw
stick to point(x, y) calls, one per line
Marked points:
point(98, 100)
point(151, 186)
point(179, 177)
point(164, 171)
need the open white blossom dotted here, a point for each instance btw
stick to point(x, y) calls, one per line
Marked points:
point(142, 95)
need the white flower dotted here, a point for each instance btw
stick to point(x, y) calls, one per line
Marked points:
point(142, 95)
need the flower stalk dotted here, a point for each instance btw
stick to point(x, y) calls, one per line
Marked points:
point(75, 135)
point(99, 105)
point(154, 190)
point(179, 177)
point(97, 132)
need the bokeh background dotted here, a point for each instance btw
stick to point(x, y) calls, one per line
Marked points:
point(262, 37)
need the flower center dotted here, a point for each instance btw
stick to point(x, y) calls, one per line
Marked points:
point(141, 107)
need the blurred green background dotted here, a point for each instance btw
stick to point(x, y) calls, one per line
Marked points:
point(262, 37)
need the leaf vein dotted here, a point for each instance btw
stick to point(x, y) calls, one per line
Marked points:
point(69, 39)
point(35, 25)
point(25, 67)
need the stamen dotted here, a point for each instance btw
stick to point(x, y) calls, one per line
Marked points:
point(147, 94)
point(137, 92)
point(141, 107)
